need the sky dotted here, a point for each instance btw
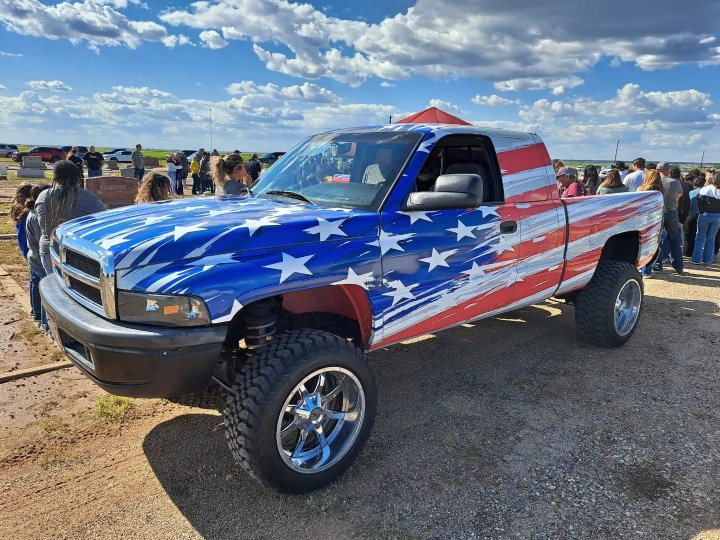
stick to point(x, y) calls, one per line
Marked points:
point(581, 74)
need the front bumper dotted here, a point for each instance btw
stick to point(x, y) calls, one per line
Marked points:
point(131, 359)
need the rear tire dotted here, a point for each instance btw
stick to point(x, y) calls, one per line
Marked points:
point(607, 311)
point(296, 438)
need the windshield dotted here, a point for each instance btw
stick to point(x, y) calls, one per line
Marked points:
point(347, 169)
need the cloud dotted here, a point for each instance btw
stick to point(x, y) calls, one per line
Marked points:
point(494, 100)
point(142, 92)
point(11, 55)
point(629, 102)
point(387, 84)
point(173, 41)
point(98, 23)
point(3, 87)
point(50, 86)
point(307, 92)
point(445, 105)
point(533, 46)
point(212, 39)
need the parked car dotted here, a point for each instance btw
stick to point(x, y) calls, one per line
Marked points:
point(81, 150)
point(270, 157)
point(46, 153)
point(278, 295)
point(604, 172)
point(114, 150)
point(6, 150)
point(119, 156)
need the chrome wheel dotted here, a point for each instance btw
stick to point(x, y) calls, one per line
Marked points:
point(320, 420)
point(627, 307)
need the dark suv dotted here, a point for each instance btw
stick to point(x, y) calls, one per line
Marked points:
point(270, 158)
point(6, 150)
point(46, 153)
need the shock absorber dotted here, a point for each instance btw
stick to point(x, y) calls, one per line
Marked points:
point(259, 320)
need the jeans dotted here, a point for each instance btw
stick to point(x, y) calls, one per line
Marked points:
point(648, 268)
point(673, 242)
point(93, 173)
point(139, 173)
point(197, 185)
point(707, 229)
point(39, 312)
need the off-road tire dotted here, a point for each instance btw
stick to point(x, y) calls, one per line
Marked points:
point(260, 390)
point(595, 304)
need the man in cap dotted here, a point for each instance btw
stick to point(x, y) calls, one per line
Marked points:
point(568, 183)
point(621, 168)
point(672, 245)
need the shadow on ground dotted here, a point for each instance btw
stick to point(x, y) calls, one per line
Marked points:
point(500, 428)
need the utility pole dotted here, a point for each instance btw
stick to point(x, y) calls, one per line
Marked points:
point(390, 122)
point(616, 150)
point(702, 159)
point(211, 141)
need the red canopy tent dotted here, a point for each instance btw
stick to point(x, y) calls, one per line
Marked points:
point(433, 115)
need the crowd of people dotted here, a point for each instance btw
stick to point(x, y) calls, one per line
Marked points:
point(691, 214)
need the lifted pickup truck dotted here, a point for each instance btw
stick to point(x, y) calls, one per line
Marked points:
point(354, 240)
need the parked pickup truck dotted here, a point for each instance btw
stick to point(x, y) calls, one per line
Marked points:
point(278, 295)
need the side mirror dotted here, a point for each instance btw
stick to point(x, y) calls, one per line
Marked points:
point(451, 191)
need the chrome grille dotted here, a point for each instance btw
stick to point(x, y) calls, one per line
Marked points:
point(81, 262)
point(90, 292)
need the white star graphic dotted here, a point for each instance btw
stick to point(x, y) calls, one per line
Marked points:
point(182, 231)
point(389, 241)
point(254, 224)
point(326, 228)
point(283, 211)
point(153, 219)
point(401, 291)
point(488, 211)
point(237, 306)
point(438, 259)
point(417, 215)
point(107, 243)
point(502, 246)
point(463, 231)
point(291, 265)
point(213, 213)
point(355, 279)
point(474, 272)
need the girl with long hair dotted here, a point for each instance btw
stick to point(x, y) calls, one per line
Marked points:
point(154, 187)
point(612, 184)
point(652, 182)
point(73, 156)
point(65, 200)
point(229, 175)
point(18, 214)
point(591, 179)
point(37, 272)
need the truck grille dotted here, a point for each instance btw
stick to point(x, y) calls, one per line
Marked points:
point(84, 264)
point(90, 292)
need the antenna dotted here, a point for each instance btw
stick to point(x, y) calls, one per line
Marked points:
point(616, 150)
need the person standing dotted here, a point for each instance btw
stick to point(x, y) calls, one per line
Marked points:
point(708, 222)
point(253, 167)
point(94, 162)
point(72, 155)
point(37, 272)
point(206, 178)
point(569, 185)
point(651, 182)
point(591, 179)
point(178, 176)
point(19, 212)
point(621, 168)
point(690, 225)
point(635, 179)
point(229, 175)
point(672, 246)
point(612, 184)
point(65, 200)
point(195, 173)
point(154, 187)
point(172, 172)
point(138, 162)
point(184, 165)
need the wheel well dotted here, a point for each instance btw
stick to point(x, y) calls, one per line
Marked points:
point(624, 247)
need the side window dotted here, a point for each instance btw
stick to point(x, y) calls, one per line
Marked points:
point(463, 154)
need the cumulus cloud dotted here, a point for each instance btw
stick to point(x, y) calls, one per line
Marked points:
point(50, 86)
point(212, 39)
point(445, 106)
point(533, 46)
point(3, 87)
point(494, 100)
point(98, 23)
point(173, 41)
point(307, 92)
point(142, 92)
point(387, 84)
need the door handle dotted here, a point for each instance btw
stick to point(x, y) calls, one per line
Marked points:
point(508, 227)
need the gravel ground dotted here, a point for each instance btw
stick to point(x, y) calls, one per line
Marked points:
point(509, 428)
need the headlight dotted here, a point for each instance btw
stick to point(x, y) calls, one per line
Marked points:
point(162, 309)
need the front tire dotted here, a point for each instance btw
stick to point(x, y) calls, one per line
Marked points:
point(607, 311)
point(301, 410)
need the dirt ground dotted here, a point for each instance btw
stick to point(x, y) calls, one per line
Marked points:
point(509, 428)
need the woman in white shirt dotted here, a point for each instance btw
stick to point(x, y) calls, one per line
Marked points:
point(172, 172)
point(708, 222)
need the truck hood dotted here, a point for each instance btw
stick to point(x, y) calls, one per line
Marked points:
point(200, 227)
